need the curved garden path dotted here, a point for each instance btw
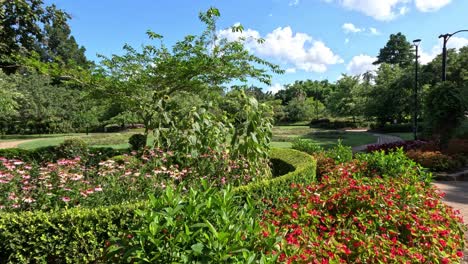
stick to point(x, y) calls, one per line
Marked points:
point(13, 143)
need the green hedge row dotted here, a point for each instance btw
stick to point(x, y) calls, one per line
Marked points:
point(79, 235)
point(304, 173)
point(52, 154)
point(76, 235)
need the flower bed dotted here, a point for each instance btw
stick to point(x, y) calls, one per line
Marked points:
point(79, 234)
point(348, 218)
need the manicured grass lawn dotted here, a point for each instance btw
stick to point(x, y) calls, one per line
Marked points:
point(403, 135)
point(113, 140)
point(282, 138)
point(284, 135)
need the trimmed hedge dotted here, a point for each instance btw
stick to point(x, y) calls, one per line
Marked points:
point(76, 235)
point(270, 189)
point(80, 235)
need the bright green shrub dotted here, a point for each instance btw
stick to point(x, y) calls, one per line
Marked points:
point(340, 153)
point(75, 235)
point(204, 225)
point(306, 146)
point(73, 147)
point(393, 164)
point(137, 141)
point(270, 189)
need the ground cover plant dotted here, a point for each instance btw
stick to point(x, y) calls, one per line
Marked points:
point(356, 216)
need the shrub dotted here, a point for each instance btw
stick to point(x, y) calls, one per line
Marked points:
point(77, 235)
point(327, 124)
point(324, 164)
point(458, 146)
point(349, 219)
point(271, 189)
point(393, 165)
point(71, 148)
point(137, 141)
point(405, 145)
point(340, 153)
point(51, 154)
point(306, 146)
point(445, 110)
point(202, 226)
point(434, 160)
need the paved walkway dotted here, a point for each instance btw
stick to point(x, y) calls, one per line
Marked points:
point(381, 139)
point(14, 143)
point(456, 196)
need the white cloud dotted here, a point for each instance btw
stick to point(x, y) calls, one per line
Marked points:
point(378, 9)
point(374, 31)
point(294, 3)
point(360, 64)
point(403, 10)
point(349, 27)
point(270, 15)
point(275, 88)
point(346, 41)
point(297, 49)
point(291, 70)
point(430, 5)
point(453, 43)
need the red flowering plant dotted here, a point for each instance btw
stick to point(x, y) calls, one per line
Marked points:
point(348, 218)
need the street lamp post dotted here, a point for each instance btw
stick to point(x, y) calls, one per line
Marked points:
point(415, 115)
point(446, 37)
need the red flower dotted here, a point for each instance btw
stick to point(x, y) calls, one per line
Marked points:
point(294, 214)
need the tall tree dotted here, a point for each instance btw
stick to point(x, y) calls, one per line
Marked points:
point(58, 43)
point(28, 27)
point(145, 79)
point(397, 51)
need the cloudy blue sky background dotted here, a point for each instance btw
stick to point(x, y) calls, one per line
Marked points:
point(310, 39)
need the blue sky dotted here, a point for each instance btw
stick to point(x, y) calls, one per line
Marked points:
point(311, 39)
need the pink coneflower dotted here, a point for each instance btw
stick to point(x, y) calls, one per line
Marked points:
point(66, 199)
point(15, 205)
point(28, 200)
point(98, 189)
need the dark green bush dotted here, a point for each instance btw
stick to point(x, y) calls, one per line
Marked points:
point(77, 235)
point(51, 154)
point(71, 148)
point(137, 141)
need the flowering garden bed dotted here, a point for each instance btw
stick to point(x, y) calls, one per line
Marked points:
point(377, 208)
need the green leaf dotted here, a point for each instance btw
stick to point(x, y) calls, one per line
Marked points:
point(197, 248)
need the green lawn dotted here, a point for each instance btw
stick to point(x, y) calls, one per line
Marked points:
point(282, 138)
point(113, 140)
point(284, 135)
point(403, 135)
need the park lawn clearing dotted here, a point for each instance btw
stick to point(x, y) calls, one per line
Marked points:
point(112, 140)
point(283, 136)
